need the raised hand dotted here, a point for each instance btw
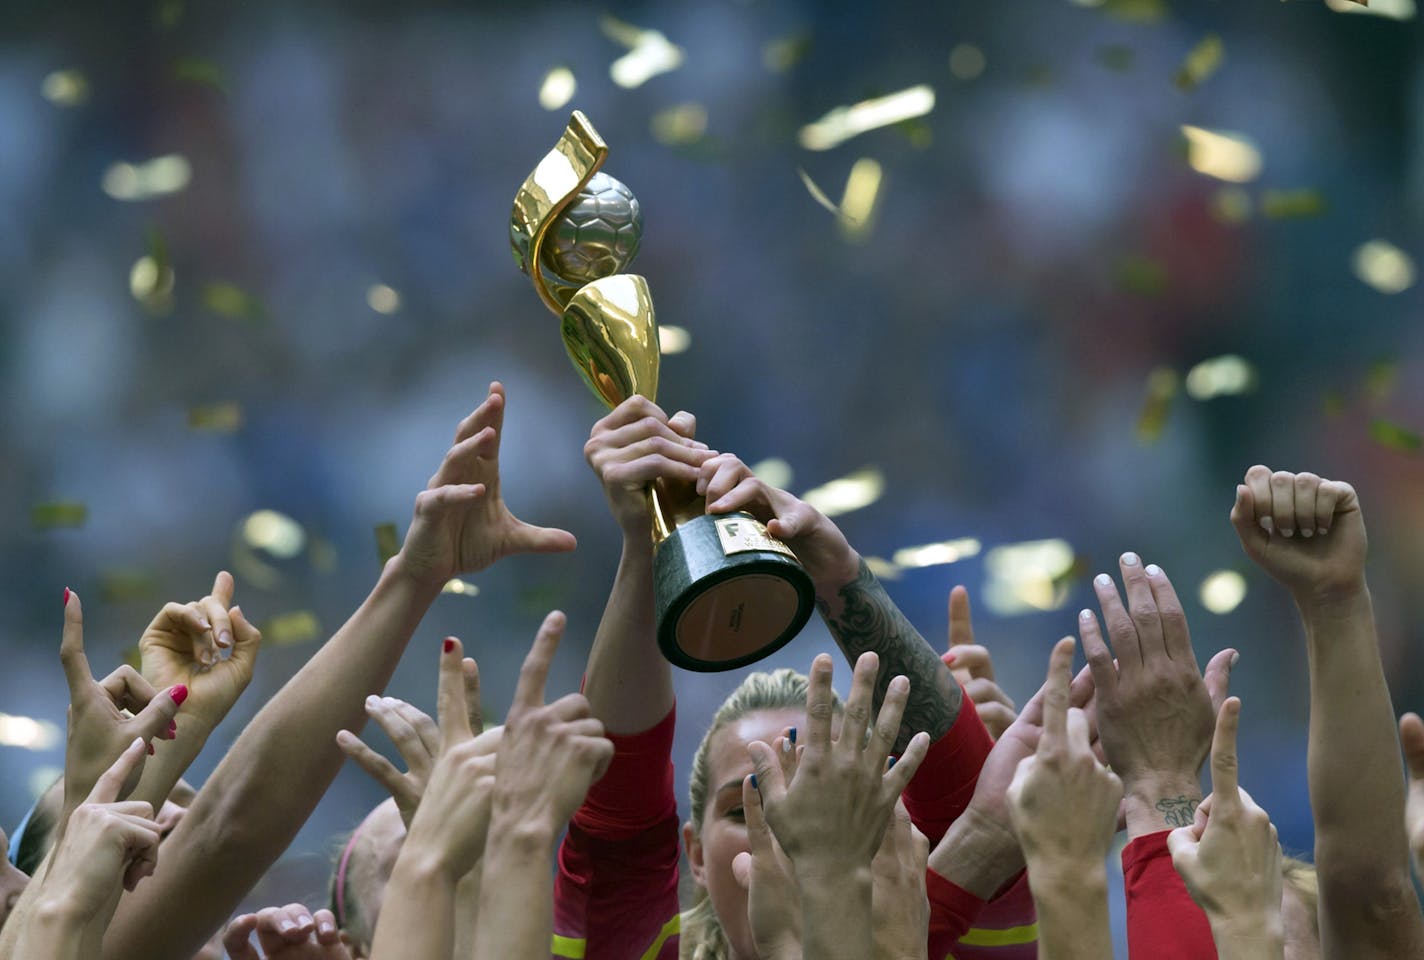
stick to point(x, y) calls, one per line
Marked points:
point(185, 644)
point(900, 903)
point(461, 523)
point(1154, 709)
point(773, 905)
point(973, 668)
point(1229, 856)
point(285, 933)
point(1304, 531)
point(1062, 800)
point(99, 730)
point(636, 446)
point(1411, 737)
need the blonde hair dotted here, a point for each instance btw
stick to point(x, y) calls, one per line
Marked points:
point(1299, 877)
point(702, 937)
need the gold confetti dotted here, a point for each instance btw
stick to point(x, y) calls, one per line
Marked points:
point(1142, 276)
point(1222, 591)
point(58, 513)
point(125, 585)
point(843, 123)
point(387, 542)
point(27, 733)
point(1203, 61)
point(1222, 154)
point(168, 13)
point(1115, 57)
point(1392, 9)
point(1231, 205)
point(851, 492)
point(1389, 434)
point(966, 61)
point(650, 53)
point(1292, 204)
point(229, 300)
point(673, 339)
point(383, 299)
point(557, 88)
point(159, 177)
point(1133, 11)
point(935, 554)
point(779, 56)
point(883, 569)
point(817, 193)
point(774, 472)
point(298, 626)
point(460, 588)
point(202, 72)
point(1333, 404)
point(1028, 577)
point(858, 203)
point(1220, 377)
point(151, 282)
point(1384, 266)
point(1381, 380)
point(65, 88)
point(216, 417)
point(274, 532)
point(1162, 386)
point(680, 125)
point(322, 554)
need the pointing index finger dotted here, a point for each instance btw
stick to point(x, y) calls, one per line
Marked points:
point(1055, 699)
point(534, 673)
point(71, 649)
point(1224, 766)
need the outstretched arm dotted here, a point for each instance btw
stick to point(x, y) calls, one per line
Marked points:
point(856, 608)
point(239, 824)
point(1309, 534)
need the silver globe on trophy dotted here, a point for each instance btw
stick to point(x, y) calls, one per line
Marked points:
point(727, 593)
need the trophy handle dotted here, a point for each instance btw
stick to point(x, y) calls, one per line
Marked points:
point(550, 188)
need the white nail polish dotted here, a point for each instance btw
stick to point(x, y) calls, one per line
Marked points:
point(1287, 532)
point(1085, 615)
point(1321, 531)
point(1103, 580)
point(1307, 533)
point(1235, 658)
point(1153, 570)
point(1129, 559)
point(1267, 524)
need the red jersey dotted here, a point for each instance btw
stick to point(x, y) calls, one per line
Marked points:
point(1163, 921)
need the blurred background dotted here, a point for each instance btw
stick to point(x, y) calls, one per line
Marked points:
point(1009, 291)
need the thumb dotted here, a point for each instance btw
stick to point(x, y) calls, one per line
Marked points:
point(1411, 737)
point(1254, 540)
point(742, 870)
point(1183, 844)
point(237, 940)
point(247, 640)
point(155, 718)
point(527, 538)
point(1217, 677)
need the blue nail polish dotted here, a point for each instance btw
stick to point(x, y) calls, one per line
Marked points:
point(754, 784)
point(891, 765)
point(792, 735)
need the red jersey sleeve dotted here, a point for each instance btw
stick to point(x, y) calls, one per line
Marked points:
point(944, 784)
point(1163, 922)
point(615, 896)
point(1006, 929)
point(953, 911)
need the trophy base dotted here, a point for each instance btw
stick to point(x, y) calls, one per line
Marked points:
point(727, 593)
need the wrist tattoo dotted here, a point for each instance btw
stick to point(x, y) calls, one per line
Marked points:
point(869, 620)
point(1178, 811)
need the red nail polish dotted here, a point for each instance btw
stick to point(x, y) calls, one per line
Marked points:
point(949, 658)
point(150, 749)
point(179, 694)
point(66, 596)
point(172, 728)
point(449, 644)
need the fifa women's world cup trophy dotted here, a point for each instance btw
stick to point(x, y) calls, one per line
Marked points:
point(727, 592)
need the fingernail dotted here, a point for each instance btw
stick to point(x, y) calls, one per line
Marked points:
point(286, 926)
point(371, 701)
point(1085, 615)
point(949, 658)
point(1287, 531)
point(326, 927)
point(203, 622)
point(792, 736)
point(754, 784)
point(1267, 524)
point(1235, 659)
point(150, 749)
point(172, 729)
point(1103, 580)
point(66, 597)
point(179, 693)
point(449, 644)
point(1129, 559)
point(225, 638)
point(786, 745)
point(1153, 570)
point(1307, 532)
point(1321, 531)
point(891, 764)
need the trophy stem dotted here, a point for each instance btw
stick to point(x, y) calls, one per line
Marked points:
point(662, 524)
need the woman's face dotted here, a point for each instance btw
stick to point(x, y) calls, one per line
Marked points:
point(12, 880)
point(723, 832)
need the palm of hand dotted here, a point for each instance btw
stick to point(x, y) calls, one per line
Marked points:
point(773, 906)
point(167, 658)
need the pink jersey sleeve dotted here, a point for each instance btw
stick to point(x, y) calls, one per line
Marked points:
point(615, 896)
point(1163, 922)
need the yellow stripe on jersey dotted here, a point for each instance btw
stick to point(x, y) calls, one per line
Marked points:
point(670, 928)
point(571, 947)
point(1008, 937)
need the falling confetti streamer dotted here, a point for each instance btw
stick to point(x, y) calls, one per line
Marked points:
point(557, 88)
point(216, 418)
point(673, 339)
point(387, 542)
point(650, 53)
point(159, 177)
point(1392, 436)
point(1162, 385)
point(65, 88)
point(1222, 154)
point(817, 193)
point(680, 125)
point(1203, 61)
point(862, 190)
point(123, 585)
point(383, 299)
point(967, 61)
point(27, 733)
point(1142, 276)
point(230, 300)
point(1220, 377)
point(1292, 204)
point(1231, 205)
point(201, 72)
point(57, 514)
point(1028, 577)
point(1222, 591)
point(779, 56)
point(851, 492)
point(844, 123)
point(774, 472)
point(1391, 9)
point(274, 532)
point(460, 588)
point(297, 626)
point(1384, 266)
point(1116, 57)
point(936, 554)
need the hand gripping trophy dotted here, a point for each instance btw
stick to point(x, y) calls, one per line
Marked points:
point(727, 592)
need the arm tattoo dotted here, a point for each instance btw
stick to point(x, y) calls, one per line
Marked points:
point(1179, 811)
point(869, 620)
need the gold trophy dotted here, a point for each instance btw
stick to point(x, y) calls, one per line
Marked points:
point(727, 592)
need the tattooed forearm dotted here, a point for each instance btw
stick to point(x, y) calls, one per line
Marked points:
point(862, 617)
point(1179, 811)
